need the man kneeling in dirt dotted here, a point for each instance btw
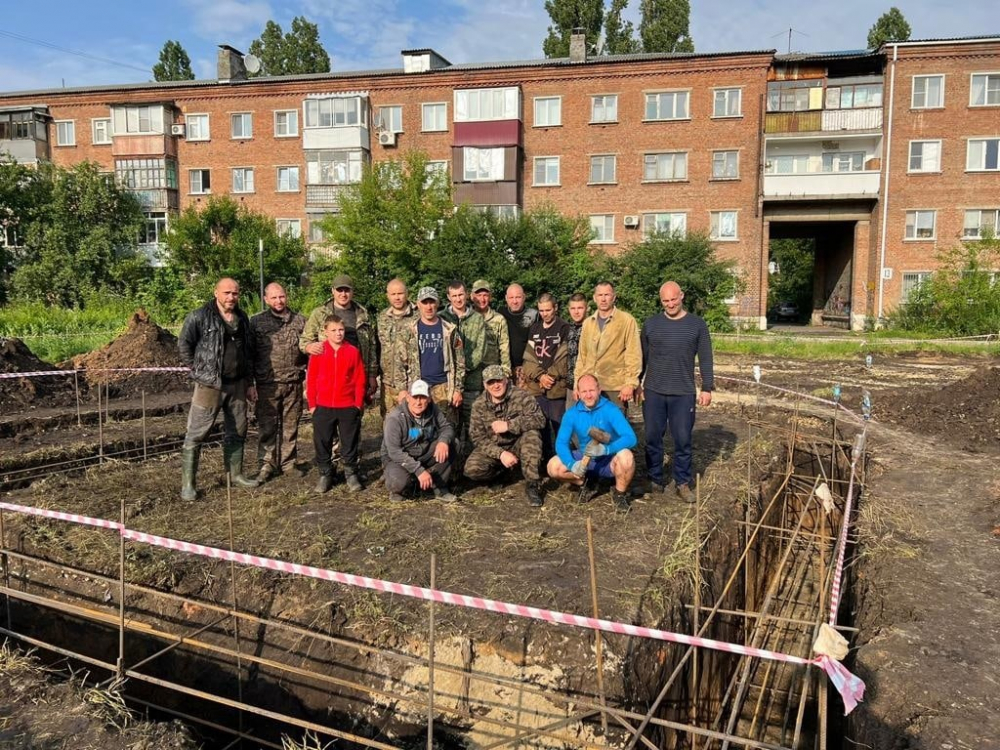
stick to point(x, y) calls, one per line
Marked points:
point(505, 431)
point(417, 446)
point(216, 343)
point(606, 439)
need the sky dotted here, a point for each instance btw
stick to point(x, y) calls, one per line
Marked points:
point(119, 42)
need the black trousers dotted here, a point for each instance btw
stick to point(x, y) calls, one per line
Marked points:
point(398, 479)
point(326, 423)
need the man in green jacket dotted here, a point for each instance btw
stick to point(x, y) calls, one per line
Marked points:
point(472, 328)
point(391, 321)
point(498, 337)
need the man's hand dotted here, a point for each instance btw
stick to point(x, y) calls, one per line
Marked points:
point(499, 426)
point(546, 381)
point(401, 397)
point(251, 393)
point(626, 394)
point(704, 398)
point(316, 347)
point(372, 386)
point(312, 409)
point(508, 459)
point(595, 449)
point(441, 451)
point(456, 400)
point(578, 468)
point(425, 480)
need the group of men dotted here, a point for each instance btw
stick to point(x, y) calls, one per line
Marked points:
point(462, 387)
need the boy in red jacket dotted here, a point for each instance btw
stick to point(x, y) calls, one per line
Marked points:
point(336, 385)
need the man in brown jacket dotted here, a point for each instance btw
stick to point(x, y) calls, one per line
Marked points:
point(610, 348)
point(545, 369)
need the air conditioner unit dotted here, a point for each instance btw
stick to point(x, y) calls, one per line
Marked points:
point(387, 138)
point(178, 130)
point(631, 221)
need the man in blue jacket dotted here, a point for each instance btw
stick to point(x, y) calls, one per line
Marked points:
point(595, 459)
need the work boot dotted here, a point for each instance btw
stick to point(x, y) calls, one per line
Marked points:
point(352, 481)
point(684, 493)
point(588, 492)
point(233, 455)
point(396, 497)
point(445, 495)
point(324, 483)
point(534, 493)
point(653, 489)
point(621, 499)
point(189, 472)
point(265, 473)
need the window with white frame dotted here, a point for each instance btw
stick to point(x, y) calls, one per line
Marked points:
point(603, 228)
point(335, 112)
point(502, 211)
point(333, 167)
point(548, 111)
point(286, 123)
point(787, 164)
point(546, 170)
point(725, 165)
point(196, 127)
point(390, 118)
point(728, 103)
point(980, 223)
point(668, 166)
point(199, 181)
point(288, 179)
point(289, 227)
point(912, 280)
point(434, 116)
point(723, 225)
point(920, 224)
point(668, 105)
point(316, 233)
point(925, 156)
point(65, 132)
point(146, 174)
point(137, 119)
point(154, 228)
point(481, 164)
point(479, 105)
point(673, 223)
point(243, 179)
point(928, 92)
point(985, 90)
point(241, 125)
point(603, 169)
point(983, 154)
point(604, 108)
point(843, 161)
point(100, 131)
point(857, 96)
point(437, 167)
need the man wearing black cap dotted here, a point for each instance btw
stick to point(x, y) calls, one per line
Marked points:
point(497, 335)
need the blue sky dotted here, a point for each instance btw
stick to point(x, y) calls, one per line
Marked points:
point(366, 34)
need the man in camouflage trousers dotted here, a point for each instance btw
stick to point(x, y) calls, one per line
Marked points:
point(506, 431)
point(279, 366)
point(391, 322)
point(472, 328)
point(497, 335)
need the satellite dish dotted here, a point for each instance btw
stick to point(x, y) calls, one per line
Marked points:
point(252, 63)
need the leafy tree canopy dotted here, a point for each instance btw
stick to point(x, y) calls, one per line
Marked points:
point(891, 26)
point(174, 64)
point(298, 51)
point(568, 15)
point(619, 35)
point(665, 26)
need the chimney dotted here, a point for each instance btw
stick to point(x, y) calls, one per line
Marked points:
point(578, 46)
point(230, 66)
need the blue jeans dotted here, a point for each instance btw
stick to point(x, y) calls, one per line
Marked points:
point(676, 412)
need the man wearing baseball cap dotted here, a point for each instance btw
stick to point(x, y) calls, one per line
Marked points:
point(416, 446)
point(497, 334)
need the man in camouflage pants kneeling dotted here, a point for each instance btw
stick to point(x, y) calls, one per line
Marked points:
point(505, 431)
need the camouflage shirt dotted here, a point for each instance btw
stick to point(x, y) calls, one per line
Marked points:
point(278, 358)
point(408, 354)
point(390, 326)
point(517, 408)
point(497, 341)
point(473, 330)
point(363, 335)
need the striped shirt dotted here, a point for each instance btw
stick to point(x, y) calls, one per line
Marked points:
point(669, 347)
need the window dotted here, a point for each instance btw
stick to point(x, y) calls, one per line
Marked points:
point(728, 103)
point(980, 222)
point(725, 165)
point(667, 105)
point(920, 225)
point(787, 164)
point(603, 169)
point(316, 231)
point(196, 127)
point(673, 223)
point(925, 156)
point(391, 118)
point(199, 181)
point(603, 227)
point(723, 225)
point(477, 105)
point(242, 179)
point(18, 126)
point(242, 125)
point(912, 280)
point(985, 90)
point(548, 111)
point(100, 132)
point(336, 112)
point(434, 116)
point(289, 227)
point(546, 170)
point(65, 132)
point(983, 154)
point(146, 174)
point(288, 179)
point(154, 230)
point(854, 97)
point(286, 123)
point(844, 161)
point(333, 167)
point(502, 211)
point(437, 167)
point(137, 119)
point(671, 166)
point(482, 164)
point(794, 96)
point(604, 108)
point(928, 92)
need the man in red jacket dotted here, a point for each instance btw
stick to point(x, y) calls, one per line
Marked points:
point(336, 385)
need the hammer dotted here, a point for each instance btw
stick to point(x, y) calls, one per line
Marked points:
point(596, 435)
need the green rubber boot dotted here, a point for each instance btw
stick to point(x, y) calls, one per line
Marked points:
point(189, 472)
point(234, 465)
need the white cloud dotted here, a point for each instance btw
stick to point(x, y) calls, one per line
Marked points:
point(228, 21)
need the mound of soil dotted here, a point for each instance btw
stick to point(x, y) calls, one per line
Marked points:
point(143, 344)
point(965, 413)
point(18, 394)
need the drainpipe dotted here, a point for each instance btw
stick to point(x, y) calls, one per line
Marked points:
point(885, 185)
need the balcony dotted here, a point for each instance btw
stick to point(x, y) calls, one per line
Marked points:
point(324, 196)
point(157, 199)
point(824, 121)
point(151, 144)
point(821, 186)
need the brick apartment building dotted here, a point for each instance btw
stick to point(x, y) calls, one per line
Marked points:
point(883, 157)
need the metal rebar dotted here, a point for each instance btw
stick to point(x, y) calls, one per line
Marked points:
point(121, 593)
point(190, 718)
point(697, 604)
point(76, 390)
point(430, 657)
point(236, 602)
point(100, 428)
point(5, 561)
point(598, 641)
point(145, 455)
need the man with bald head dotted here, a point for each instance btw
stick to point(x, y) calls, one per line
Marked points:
point(391, 322)
point(670, 342)
point(215, 343)
point(279, 367)
point(519, 320)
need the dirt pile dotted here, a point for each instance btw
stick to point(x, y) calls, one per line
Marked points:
point(143, 344)
point(18, 394)
point(965, 413)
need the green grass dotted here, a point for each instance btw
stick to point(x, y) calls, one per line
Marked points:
point(758, 344)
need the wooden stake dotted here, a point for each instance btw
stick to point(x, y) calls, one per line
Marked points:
point(598, 642)
point(76, 388)
point(430, 658)
point(697, 605)
point(144, 448)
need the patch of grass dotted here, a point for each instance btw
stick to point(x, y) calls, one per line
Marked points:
point(682, 558)
point(373, 522)
point(761, 344)
point(108, 705)
point(533, 541)
point(13, 661)
point(372, 611)
point(309, 741)
point(883, 525)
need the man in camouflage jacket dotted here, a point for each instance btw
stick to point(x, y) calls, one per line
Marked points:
point(391, 322)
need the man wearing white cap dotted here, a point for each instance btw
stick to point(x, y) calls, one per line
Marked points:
point(416, 446)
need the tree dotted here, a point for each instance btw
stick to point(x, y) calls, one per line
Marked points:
point(792, 281)
point(665, 26)
point(891, 26)
point(298, 51)
point(568, 15)
point(174, 64)
point(619, 37)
